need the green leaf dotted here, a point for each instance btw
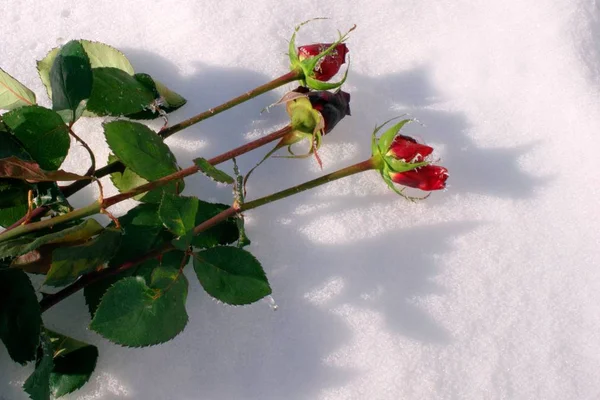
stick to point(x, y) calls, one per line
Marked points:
point(69, 263)
point(42, 132)
point(140, 149)
point(388, 136)
point(225, 232)
point(9, 216)
point(212, 172)
point(13, 192)
point(44, 65)
point(178, 214)
point(99, 54)
point(142, 231)
point(71, 81)
point(172, 100)
point(127, 180)
point(231, 275)
point(13, 94)
point(103, 55)
point(16, 168)
point(10, 146)
point(134, 314)
point(26, 243)
point(20, 315)
point(166, 101)
point(38, 383)
point(117, 93)
point(74, 362)
point(93, 293)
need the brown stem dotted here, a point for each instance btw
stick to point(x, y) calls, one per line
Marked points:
point(275, 83)
point(18, 229)
point(92, 167)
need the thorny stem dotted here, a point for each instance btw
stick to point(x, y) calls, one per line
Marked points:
point(275, 83)
point(342, 173)
point(97, 207)
point(118, 166)
point(96, 276)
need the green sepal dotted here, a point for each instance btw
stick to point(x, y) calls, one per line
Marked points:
point(402, 166)
point(320, 85)
point(386, 138)
point(385, 174)
point(304, 117)
point(308, 65)
point(374, 147)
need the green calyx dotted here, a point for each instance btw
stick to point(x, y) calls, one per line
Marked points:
point(307, 123)
point(388, 164)
point(308, 65)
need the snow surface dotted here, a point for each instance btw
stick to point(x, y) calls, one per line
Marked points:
point(490, 290)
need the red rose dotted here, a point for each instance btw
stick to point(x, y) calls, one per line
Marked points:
point(327, 66)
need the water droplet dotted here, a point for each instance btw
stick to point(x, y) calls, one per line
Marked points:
point(271, 302)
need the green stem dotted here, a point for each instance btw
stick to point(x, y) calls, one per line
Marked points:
point(291, 76)
point(86, 211)
point(342, 173)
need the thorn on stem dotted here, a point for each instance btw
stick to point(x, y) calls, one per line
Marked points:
point(29, 208)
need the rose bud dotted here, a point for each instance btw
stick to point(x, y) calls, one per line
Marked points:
point(318, 63)
point(312, 114)
point(401, 159)
point(332, 106)
point(429, 177)
point(408, 149)
point(328, 65)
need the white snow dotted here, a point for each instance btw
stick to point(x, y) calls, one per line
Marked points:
point(490, 290)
